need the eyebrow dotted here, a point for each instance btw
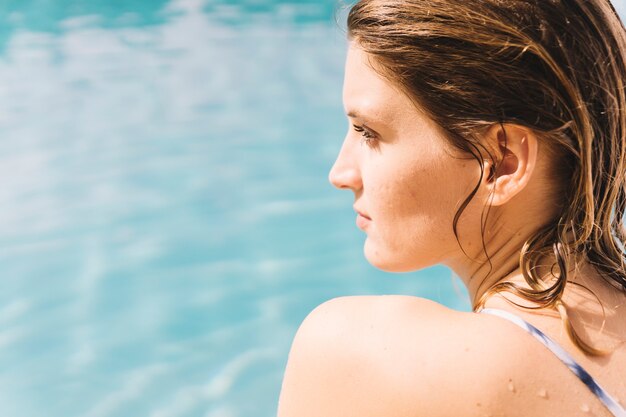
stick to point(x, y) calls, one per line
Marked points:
point(373, 118)
point(355, 115)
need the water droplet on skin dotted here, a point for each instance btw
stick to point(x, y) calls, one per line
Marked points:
point(542, 393)
point(511, 386)
point(585, 408)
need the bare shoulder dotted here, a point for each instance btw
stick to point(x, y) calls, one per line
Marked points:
point(397, 355)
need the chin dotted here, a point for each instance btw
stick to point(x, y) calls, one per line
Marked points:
point(390, 261)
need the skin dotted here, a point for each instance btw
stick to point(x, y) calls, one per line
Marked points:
point(362, 356)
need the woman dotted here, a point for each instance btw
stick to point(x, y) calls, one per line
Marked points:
point(488, 136)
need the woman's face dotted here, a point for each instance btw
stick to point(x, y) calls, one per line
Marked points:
point(407, 180)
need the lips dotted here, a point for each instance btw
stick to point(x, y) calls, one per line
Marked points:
point(362, 219)
point(361, 213)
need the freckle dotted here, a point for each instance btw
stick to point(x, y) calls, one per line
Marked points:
point(478, 404)
point(511, 386)
point(585, 408)
point(542, 393)
point(467, 349)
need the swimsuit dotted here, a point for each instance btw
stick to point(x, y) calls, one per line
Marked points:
point(565, 357)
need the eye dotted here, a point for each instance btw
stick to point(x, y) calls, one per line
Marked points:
point(367, 135)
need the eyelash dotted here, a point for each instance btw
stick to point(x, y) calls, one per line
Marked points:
point(367, 136)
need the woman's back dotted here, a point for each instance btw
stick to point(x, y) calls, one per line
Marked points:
point(406, 356)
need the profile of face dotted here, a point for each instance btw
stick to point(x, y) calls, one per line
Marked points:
point(408, 181)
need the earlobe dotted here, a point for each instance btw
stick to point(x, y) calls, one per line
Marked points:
point(517, 148)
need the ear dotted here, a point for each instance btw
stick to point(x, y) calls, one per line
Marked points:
point(516, 150)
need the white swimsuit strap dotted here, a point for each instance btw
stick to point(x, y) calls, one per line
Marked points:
point(565, 357)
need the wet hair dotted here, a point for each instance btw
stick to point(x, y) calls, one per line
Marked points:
point(557, 67)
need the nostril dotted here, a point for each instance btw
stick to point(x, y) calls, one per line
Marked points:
point(346, 178)
point(339, 185)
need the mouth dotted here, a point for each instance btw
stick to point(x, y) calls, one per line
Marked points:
point(362, 220)
point(360, 213)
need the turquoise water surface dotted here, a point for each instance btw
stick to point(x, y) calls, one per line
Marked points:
point(165, 213)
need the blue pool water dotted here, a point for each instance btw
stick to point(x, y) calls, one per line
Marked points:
point(166, 221)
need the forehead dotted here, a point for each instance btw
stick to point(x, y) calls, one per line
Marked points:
point(365, 91)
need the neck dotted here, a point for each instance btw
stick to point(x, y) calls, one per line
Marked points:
point(480, 272)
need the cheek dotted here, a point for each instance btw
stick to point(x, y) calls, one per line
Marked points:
point(408, 196)
point(415, 203)
point(421, 187)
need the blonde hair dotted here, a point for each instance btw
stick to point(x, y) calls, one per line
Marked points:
point(554, 66)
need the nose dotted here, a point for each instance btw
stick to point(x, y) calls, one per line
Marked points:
point(345, 173)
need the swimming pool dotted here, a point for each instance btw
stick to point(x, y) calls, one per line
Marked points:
point(166, 218)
